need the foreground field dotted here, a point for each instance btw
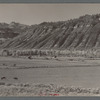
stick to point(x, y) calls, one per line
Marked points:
point(63, 76)
point(46, 90)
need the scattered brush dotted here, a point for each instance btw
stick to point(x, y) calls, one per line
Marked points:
point(3, 78)
point(4, 64)
point(14, 65)
point(15, 78)
point(45, 90)
point(2, 83)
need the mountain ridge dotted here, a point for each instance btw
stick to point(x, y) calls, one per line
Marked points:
point(79, 33)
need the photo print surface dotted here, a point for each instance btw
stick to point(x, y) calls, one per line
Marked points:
point(50, 49)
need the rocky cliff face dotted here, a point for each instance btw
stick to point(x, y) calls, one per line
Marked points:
point(80, 33)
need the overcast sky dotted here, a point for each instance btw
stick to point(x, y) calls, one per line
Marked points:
point(37, 13)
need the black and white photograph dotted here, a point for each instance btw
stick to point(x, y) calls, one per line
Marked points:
point(49, 49)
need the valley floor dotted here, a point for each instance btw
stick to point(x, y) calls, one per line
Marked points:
point(48, 76)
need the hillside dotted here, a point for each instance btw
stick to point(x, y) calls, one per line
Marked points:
point(80, 33)
point(6, 34)
point(14, 26)
point(18, 28)
point(9, 31)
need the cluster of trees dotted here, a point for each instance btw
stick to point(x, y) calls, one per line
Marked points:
point(54, 53)
point(34, 52)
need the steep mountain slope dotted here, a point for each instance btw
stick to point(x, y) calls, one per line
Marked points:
point(17, 27)
point(6, 34)
point(9, 31)
point(80, 33)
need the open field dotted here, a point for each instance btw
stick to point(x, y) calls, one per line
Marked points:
point(72, 74)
